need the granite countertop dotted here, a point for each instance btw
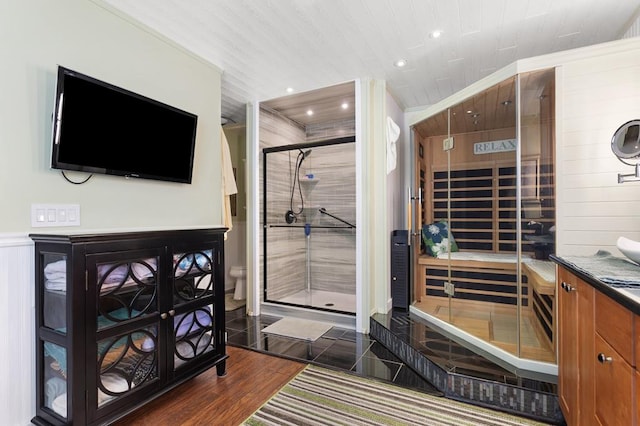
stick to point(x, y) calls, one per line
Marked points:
point(616, 277)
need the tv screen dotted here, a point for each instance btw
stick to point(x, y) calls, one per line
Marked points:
point(101, 128)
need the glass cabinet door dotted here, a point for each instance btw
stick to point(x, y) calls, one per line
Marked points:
point(124, 291)
point(53, 332)
point(193, 311)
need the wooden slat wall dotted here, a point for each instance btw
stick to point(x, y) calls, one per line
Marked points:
point(598, 96)
point(483, 203)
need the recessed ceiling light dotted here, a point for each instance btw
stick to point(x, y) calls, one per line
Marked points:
point(506, 103)
point(400, 63)
point(309, 112)
point(289, 89)
point(435, 34)
point(344, 105)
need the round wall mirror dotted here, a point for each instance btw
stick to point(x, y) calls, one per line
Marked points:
point(625, 143)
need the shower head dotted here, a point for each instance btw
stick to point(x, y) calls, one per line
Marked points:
point(304, 154)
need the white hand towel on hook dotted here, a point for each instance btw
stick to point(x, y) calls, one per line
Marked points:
point(393, 133)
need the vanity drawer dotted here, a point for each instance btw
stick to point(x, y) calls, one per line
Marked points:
point(615, 324)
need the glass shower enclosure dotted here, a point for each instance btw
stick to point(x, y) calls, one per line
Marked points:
point(309, 225)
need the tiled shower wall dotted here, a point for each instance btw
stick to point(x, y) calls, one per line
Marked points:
point(331, 250)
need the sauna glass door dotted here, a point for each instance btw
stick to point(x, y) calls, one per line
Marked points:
point(537, 213)
point(486, 165)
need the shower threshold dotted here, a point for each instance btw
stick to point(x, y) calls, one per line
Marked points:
point(320, 299)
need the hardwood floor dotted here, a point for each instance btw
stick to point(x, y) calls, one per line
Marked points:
point(251, 379)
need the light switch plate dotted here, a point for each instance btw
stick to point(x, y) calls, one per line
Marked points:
point(54, 215)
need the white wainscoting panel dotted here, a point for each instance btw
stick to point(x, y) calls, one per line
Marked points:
point(17, 357)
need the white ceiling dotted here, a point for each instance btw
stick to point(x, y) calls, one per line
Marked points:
point(265, 46)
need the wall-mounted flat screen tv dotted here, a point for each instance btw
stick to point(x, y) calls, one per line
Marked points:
point(102, 128)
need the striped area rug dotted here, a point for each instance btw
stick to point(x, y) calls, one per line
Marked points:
point(319, 396)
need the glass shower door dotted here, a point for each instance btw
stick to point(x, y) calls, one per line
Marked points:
point(309, 225)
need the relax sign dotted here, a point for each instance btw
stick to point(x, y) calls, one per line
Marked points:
point(494, 146)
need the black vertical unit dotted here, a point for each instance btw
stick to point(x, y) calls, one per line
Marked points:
point(400, 269)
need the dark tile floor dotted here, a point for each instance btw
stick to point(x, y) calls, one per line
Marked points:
point(338, 348)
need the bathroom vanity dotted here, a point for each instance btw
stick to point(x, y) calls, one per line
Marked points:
point(598, 341)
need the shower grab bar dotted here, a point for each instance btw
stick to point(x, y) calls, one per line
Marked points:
point(312, 226)
point(324, 211)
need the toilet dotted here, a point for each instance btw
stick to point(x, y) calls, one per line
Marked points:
point(239, 274)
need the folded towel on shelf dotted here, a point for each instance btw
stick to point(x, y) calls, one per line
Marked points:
point(55, 273)
point(188, 349)
point(57, 285)
point(186, 263)
point(184, 324)
point(191, 321)
point(111, 382)
point(56, 270)
point(116, 275)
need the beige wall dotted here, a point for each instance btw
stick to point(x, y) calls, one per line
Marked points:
point(39, 35)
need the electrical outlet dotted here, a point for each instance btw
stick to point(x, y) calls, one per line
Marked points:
point(449, 289)
point(447, 144)
point(53, 215)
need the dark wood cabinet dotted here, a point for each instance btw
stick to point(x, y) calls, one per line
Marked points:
point(122, 318)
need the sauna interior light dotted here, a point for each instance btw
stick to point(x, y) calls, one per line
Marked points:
point(309, 112)
point(344, 105)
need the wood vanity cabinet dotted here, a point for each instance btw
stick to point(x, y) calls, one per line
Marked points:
point(614, 366)
point(575, 346)
point(122, 318)
point(596, 355)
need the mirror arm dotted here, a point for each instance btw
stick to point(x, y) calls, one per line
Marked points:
point(630, 177)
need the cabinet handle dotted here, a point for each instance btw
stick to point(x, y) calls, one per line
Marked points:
point(166, 315)
point(602, 358)
point(566, 287)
